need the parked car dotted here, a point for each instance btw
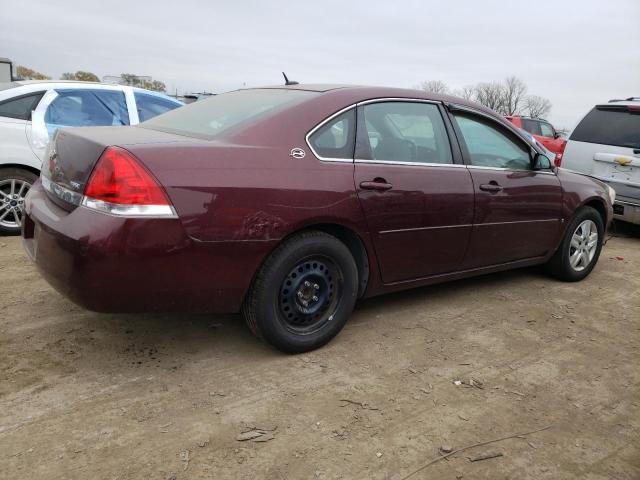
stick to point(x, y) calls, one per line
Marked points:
point(55, 104)
point(606, 145)
point(290, 203)
point(542, 131)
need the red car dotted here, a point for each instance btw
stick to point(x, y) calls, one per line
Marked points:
point(291, 203)
point(544, 132)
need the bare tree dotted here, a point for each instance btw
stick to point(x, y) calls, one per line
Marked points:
point(514, 95)
point(536, 106)
point(434, 86)
point(468, 92)
point(490, 94)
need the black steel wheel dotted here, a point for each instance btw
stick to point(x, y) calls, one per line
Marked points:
point(304, 293)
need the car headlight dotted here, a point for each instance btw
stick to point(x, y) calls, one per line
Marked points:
point(612, 194)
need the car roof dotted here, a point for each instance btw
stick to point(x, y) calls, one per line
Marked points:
point(359, 93)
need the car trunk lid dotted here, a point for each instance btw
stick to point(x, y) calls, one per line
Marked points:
point(73, 153)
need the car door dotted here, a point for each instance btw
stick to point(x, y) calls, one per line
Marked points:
point(517, 209)
point(415, 193)
point(15, 119)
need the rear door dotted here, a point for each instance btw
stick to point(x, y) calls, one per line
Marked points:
point(517, 210)
point(416, 195)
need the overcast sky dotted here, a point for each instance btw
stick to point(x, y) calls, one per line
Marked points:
point(574, 52)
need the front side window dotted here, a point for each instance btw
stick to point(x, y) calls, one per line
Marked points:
point(20, 107)
point(547, 130)
point(85, 108)
point(150, 106)
point(411, 132)
point(335, 138)
point(491, 146)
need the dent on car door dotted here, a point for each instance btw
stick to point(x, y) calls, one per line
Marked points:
point(418, 202)
point(517, 209)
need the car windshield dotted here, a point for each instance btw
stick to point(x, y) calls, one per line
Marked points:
point(209, 118)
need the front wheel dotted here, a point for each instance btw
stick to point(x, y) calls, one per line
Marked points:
point(578, 253)
point(304, 293)
point(14, 185)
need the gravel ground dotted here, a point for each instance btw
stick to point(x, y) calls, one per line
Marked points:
point(87, 395)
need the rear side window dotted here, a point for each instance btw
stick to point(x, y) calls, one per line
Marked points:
point(210, 118)
point(83, 108)
point(609, 125)
point(547, 130)
point(411, 132)
point(531, 126)
point(20, 107)
point(150, 106)
point(335, 139)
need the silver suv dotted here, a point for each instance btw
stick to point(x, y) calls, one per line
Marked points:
point(606, 145)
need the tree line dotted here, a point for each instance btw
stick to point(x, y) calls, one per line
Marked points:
point(508, 97)
point(131, 79)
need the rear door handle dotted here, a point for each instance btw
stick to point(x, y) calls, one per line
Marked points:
point(377, 184)
point(491, 187)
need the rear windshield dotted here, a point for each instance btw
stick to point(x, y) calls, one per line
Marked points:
point(209, 118)
point(609, 125)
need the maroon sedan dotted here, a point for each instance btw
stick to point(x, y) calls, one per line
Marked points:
point(290, 203)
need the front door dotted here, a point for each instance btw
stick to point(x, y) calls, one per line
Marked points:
point(417, 201)
point(517, 210)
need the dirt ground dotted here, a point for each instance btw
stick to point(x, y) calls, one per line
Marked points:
point(94, 396)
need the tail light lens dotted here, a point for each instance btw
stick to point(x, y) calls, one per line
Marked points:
point(120, 185)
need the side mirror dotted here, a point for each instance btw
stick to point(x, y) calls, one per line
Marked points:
point(556, 135)
point(542, 162)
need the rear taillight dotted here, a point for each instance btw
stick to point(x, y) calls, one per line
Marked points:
point(558, 160)
point(120, 185)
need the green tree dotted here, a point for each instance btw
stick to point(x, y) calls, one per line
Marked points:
point(28, 74)
point(155, 85)
point(81, 76)
point(135, 81)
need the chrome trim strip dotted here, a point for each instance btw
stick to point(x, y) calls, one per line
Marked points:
point(354, 105)
point(424, 228)
point(411, 164)
point(398, 99)
point(322, 124)
point(61, 192)
point(502, 169)
point(627, 203)
point(516, 221)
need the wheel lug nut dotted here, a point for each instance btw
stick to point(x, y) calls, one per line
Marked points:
point(299, 294)
point(315, 299)
point(307, 284)
point(316, 286)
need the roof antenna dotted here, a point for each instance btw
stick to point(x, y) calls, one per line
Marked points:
point(287, 81)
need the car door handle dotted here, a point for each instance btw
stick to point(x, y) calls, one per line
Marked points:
point(377, 184)
point(491, 187)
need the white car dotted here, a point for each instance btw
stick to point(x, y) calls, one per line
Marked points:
point(31, 111)
point(606, 145)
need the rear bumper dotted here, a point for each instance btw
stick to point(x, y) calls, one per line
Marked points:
point(627, 211)
point(111, 264)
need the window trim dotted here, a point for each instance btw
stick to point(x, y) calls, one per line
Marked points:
point(37, 93)
point(452, 108)
point(455, 158)
point(449, 130)
point(307, 137)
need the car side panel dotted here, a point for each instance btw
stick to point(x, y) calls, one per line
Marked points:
point(14, 147)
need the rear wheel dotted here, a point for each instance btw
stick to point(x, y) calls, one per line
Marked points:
point(579, 251)
point(304, 293)
point(14, 185)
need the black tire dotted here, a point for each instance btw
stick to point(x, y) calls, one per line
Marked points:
point(13, 208)
point(273, 308)
point(560, 264)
